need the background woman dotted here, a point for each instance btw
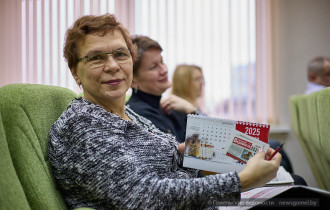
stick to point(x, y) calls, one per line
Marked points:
point(188, 83)
point(150, 81)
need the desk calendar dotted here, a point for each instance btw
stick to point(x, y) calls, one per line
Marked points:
point(222, 145)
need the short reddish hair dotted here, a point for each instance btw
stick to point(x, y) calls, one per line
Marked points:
point(91, 24)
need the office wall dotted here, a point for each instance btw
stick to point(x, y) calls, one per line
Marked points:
point(303, 32)
point(10, 52)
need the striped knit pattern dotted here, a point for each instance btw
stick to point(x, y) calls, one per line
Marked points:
point(104, 162)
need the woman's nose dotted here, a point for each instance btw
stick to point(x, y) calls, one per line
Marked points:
point(163, 68)
point(111, 64)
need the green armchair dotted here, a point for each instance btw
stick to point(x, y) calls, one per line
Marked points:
point(27, 112)
point(11, 191)
point(309, 115)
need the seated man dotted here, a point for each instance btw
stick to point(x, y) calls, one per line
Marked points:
point(318, 74)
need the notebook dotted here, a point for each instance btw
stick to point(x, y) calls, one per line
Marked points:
point(282, 178)
point(222, 145)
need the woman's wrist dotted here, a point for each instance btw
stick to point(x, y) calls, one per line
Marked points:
point(181, 147)
point(193, 110)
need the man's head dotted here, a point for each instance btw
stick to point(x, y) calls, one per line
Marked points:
point(319, 71)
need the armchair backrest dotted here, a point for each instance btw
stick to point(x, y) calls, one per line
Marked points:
point(11, 192)
point(309, 115)
point(323, 104)
point(28, 111)
point(299, 122)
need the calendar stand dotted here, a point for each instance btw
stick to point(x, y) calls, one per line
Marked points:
point(221, 145)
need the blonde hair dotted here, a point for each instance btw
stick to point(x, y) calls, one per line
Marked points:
point(182, 82)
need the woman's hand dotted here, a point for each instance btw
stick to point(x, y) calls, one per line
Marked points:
point(176, 103)
point(181, 148)
point(258, 171)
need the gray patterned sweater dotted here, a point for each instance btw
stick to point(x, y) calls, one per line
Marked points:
point(104, 162)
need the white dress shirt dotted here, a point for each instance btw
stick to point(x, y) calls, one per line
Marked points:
point(313, 87)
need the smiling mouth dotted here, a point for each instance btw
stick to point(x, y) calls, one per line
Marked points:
point(163, 80)
point(114, 82)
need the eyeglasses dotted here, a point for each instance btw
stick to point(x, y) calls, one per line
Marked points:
point(97, 60)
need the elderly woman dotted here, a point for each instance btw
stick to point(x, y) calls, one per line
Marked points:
point(105, 156)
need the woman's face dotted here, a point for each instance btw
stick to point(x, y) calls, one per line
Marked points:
point(152, 76)
point(110, 81)
point(198, 82)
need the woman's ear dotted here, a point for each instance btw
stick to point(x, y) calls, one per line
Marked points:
point(75, 76)
point(134, 84)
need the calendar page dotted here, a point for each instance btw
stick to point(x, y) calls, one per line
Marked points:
point(222, 145)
